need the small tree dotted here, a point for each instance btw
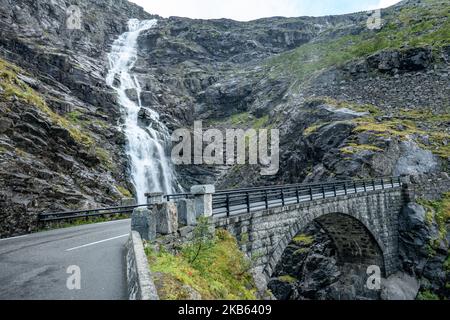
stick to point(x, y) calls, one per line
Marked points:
point(203, 239)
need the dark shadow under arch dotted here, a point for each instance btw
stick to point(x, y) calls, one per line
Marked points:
point(354, 242)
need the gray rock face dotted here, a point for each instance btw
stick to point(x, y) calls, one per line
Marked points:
point(415, 160)
point(44, 167)
point(423, 251)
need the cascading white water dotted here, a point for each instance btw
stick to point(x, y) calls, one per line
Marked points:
point(151, 170)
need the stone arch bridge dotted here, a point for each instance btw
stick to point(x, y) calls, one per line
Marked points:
point(361, 217)
point(363, 226)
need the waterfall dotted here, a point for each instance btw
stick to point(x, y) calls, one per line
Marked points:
point(147, 147)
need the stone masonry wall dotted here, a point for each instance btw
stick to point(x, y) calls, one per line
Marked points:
point(265, 235)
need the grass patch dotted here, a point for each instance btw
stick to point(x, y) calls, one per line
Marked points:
point(353, 148)
point(105, 158)
point(219, 272)
point(437, 212)
point(124, 191)
point(303, 239)
point(427, 295)
point(287, 279)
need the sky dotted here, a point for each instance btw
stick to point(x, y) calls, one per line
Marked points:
point(245, 10)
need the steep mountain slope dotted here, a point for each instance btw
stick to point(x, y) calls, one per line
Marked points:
point(349, 101)
point(60, 146)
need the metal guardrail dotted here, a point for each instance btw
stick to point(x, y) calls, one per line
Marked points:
point(237, 201)
point(86, 214)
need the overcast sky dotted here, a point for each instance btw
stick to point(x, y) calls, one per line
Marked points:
point(245, 10)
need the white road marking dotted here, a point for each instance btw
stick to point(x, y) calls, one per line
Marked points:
point(55, 231)
point(97, 242)
point(13, 238)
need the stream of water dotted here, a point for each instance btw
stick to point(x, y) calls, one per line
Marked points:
point(148, 147)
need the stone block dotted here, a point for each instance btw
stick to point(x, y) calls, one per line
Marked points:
point(186, 212)
point(166, 218)
point(143, 221)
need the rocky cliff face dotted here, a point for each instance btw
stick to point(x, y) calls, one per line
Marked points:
point(60, 146)
point(349, 101)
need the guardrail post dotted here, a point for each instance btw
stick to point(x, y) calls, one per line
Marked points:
point(392, 182)
point(297, 194)
point(354, 185)
point(203, 199)
point(311, 194)
point(365, 186)
point(323, 192)
point(335, 191)
point(227, 200)
point(345, 188)
point(266, 199)
point(373, 184)
point(282, 197)
point(382, 183)
point(248, 202)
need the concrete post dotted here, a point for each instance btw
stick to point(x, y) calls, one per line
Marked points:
point(155, 198)
point(203, 200)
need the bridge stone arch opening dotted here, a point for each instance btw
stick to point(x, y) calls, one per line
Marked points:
point(354, 242)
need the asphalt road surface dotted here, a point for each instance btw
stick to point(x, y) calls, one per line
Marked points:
point(35, 267)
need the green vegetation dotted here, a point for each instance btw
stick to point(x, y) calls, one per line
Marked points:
point(427, 295)
point(14, 87)
point(304, 239)
point(310, 130)
point(301, 251)
point(447, 265)
point(124, 191)
point(437, 212)
point(404, 128)
point(212, 265)
point(412, 26)
point(105, 158)
point(353, 148)
point(249, 121)
point(287, 279)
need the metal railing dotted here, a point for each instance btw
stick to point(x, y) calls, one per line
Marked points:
point(86, 214)
point(247, 200)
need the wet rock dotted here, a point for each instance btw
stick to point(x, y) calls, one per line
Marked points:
point(282, 290)
point(400, 286)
